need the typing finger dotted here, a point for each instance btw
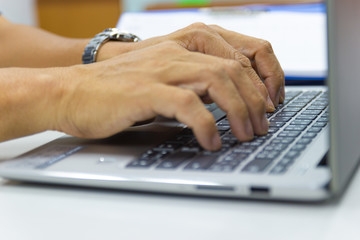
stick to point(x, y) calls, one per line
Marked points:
point(265, 62)
point(186, 106)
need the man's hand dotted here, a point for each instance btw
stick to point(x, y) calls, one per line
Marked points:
point(165, 79)
point(255, 55)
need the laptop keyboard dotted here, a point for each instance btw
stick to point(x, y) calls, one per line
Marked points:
point(293, 126)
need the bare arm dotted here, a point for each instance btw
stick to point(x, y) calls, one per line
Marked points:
point(28, 101)
point(44, 86)
point(26, 46)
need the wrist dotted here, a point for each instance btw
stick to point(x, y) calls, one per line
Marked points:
point(31, 104)
point(114, 48)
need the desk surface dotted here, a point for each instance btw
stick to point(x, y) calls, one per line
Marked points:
point(51, 212)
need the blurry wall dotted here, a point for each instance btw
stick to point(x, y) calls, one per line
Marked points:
point(138, 5)
point(78, 18)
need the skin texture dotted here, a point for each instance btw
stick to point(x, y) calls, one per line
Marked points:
point(45, 86)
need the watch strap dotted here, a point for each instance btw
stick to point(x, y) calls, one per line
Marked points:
point(92, 48)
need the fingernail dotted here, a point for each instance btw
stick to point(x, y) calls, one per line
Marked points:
point(216, 142)
point(265, 124)
point(281, 99)
point(249, 129)
point(270, 105)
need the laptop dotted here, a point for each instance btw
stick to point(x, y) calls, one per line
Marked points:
point(310, 153)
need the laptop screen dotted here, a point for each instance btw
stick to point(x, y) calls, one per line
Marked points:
point(299, 42)
point(344, 83)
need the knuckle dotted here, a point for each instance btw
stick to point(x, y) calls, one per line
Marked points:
point(243, 60)
point(231, 66)
point(258, 104)
point(214, 26)
point(169, 45)
point(265, 46)
point(281, 75)
point(201, 31)
point(242, 111)
point(188, 98)
point(217, 70)
point(234, 65)
point(198, 25)
point(206, 119)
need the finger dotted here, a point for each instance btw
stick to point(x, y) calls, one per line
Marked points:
point(206, 40)
point(264, 59)
point(249, 93)
point(270, 71)
point(260, 86)
point(209, 75)
point(199, 37)
point(224, 93)
point(232, 84)
point(186, 107)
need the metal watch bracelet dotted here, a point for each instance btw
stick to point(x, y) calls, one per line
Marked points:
point(109, 34)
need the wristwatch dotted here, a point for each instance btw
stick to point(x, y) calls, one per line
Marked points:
point(109, 34)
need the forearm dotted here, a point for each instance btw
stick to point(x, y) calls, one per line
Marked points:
point(26, 46)
point(29, 100)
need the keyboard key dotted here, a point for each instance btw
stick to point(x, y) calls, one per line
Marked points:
point(141, 163)
point(280, 119)
point(201, 162)
point(243, 149)
point(235, 157)
point(320, 124)
point(300, 122)
point(278, 169)
point(304, 141)
point(306, 117)
point(276, 124)
point(289, 134)
point(254, 144)
point(291, 109)
point(311, 112)
point(256, 166)
point(168, 147)
point(211, 107)
point(172, 161)
point(298, 147)
point(309, 135)
point(292, 154)
point(323, 119)
point(282, 166)
point(218, 114)
point(315, 129)
point(286, 114)
point(223, 128)
point(320, 103)
point(267, 155)
point(298, 104)
point(296, 128)
point(219, 167)
point(272, 130)
point(314, 107)
point(282, 140)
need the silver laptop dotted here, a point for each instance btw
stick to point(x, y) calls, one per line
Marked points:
point(302, 158)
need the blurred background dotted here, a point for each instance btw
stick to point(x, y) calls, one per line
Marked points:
point(85, 18)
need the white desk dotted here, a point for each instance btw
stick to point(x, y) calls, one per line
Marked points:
point(50, 212)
